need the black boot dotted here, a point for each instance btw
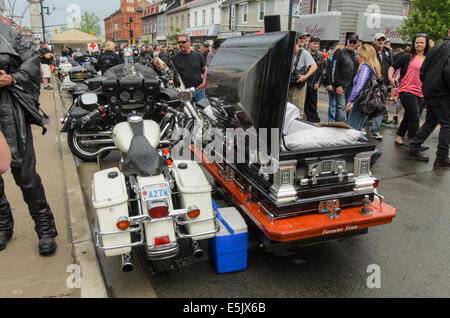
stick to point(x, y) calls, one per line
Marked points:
point(47, 245)
point(4, 238)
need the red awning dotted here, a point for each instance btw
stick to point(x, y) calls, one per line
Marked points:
point(260, 32)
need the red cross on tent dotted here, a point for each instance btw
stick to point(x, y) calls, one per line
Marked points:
point(92, 46)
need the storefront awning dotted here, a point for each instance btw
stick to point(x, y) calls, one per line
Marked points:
point(326, 25)
point(208, 30)
point(370, 24)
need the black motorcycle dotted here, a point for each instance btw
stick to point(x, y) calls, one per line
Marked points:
point(100, 103)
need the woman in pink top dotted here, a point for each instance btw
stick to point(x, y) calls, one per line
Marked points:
point(410, 89)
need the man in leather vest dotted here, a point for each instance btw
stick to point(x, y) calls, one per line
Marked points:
point(20, 80)
point(314, 81)
point(344, 70)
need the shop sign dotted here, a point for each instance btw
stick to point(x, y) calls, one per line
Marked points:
point(325, 25)
point(387, 24)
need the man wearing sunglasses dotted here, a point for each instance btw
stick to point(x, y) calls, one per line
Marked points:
point(344, 70)
point(191, 65)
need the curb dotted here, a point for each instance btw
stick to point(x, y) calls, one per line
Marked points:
point(92, 281)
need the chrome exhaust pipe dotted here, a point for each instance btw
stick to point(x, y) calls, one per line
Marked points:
point(197, 250)
point(127, 264)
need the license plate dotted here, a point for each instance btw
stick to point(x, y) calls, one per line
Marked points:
point(155, 191)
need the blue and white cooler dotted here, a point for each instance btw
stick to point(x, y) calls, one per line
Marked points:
point(228, 249)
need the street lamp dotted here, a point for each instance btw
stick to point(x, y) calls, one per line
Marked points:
point(42, 17)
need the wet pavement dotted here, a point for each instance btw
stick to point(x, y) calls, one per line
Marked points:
point(411, 254)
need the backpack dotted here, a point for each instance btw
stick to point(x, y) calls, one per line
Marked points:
point(372, 99)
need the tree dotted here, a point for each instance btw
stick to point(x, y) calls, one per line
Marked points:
point(15, 11)
point(427, 16)
point(89, 22)
point(173, 35)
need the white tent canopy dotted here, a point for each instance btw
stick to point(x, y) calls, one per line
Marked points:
point(74, 39)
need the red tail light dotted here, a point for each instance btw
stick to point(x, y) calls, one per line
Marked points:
point(376, 183)
point(158, 211)
point(162, 240)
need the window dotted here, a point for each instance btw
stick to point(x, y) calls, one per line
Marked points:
point(195, 19)
point(261, 9)
point(405, 9)
point(212, 15)
point(182, 21)
point(116, 27)
point(244, 12)
point(204, 17)
point(318, 6)
point(176, 22)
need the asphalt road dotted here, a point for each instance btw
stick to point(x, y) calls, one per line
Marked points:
point(410, 255)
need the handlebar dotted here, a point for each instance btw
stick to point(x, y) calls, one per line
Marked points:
point(87, 118)
point(99, 112)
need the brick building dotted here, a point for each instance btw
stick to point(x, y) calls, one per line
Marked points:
point(117, 25)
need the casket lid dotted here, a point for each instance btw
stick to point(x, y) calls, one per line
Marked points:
point(248, 80)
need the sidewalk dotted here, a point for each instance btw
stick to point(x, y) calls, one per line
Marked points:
point(73, 271)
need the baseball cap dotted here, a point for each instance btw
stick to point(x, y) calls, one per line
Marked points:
point(353, 37)
point(314, 39)
point(299, 35)
point(379, 36)
point(205, 44)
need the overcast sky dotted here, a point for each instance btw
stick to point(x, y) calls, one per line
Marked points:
point(60, 13)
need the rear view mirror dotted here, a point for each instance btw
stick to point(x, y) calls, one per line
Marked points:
point(89, 99)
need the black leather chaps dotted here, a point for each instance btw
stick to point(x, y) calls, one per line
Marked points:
point(33, 193)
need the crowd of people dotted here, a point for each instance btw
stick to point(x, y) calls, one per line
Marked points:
point(411, 78)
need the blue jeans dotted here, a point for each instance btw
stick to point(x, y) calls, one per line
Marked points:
point(341, 102)
point(199, 95)
point(356, 120)
point(376, 124)
point(331, 107)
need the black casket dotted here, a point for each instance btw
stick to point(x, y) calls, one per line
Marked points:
point(247, 86)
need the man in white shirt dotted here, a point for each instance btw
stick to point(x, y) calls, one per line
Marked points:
point(127, 54)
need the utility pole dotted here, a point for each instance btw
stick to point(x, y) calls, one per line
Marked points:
point(42, 17)
point(35, 21)
point(131, 30)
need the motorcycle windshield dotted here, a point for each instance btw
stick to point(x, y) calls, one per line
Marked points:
point(248, 80)
point(129, 71)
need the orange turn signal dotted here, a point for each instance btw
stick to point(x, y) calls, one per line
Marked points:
point(194, 213)
point(123, 223)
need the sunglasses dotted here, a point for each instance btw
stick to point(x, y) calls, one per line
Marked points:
point(182, 42)
point(421, 35)
point(382, 39)
point(352, 42)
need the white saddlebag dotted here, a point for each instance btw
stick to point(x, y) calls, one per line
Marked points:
point(195, 190)
point(109, 197)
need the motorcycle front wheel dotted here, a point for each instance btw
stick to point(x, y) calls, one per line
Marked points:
point(86, 153)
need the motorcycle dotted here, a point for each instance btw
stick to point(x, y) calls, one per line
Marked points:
point(150, 202)
point(123, 88)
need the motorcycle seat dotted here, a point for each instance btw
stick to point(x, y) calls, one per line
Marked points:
point(142, 159)
point(78, 112)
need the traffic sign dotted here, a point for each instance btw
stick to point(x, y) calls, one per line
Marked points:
point(55, 30)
